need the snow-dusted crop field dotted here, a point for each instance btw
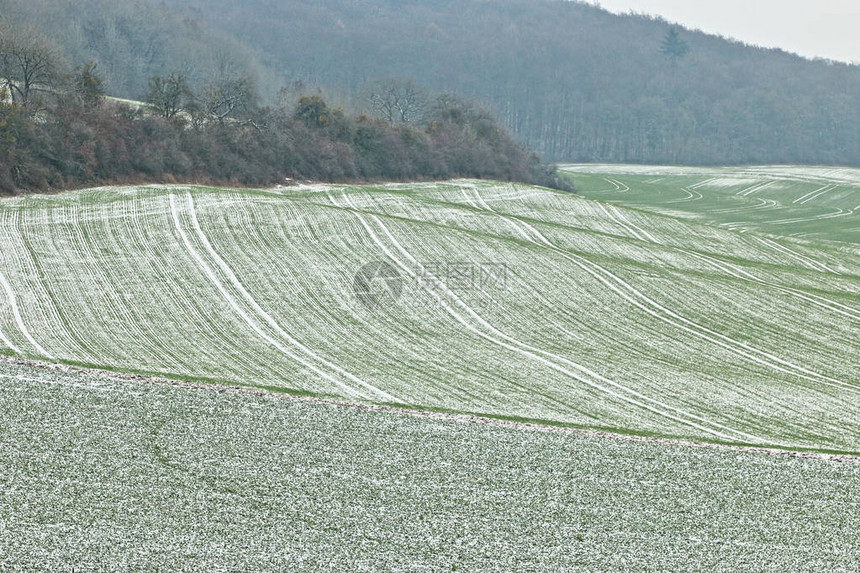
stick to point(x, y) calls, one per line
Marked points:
point(109, 475)
point(785, 201)
point(511, 301)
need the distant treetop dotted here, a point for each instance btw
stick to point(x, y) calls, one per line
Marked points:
point(673, 46)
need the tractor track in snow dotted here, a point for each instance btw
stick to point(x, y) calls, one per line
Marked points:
point(740, 348)
point(578, 372)
point(231, 300)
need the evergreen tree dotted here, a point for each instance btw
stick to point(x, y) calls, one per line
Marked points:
point(673, 46)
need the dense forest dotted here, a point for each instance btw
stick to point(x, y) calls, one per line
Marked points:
point(568, 79)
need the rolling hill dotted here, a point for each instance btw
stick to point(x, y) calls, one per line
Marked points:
point(660, 373)
point(670, 317)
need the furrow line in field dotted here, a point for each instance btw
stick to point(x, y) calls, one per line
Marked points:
point(13, 303)
point(254, 242)
point(811, 263)
point(204, 266)
point(483, 205)
point(614, 185)
point(755, 188)
point(138, 237)
point(740, 348)
point(284, 264)
point(92, 269)
point(452, 390)
point(586, 375)
point(115, 302)
point(8, 343)
point(78, 346)
point(573, 370)
point(632, 232)
point(624, 187)
point(817, 300)
point(618, 185)
point(251, 240)
point(552, 400)
point(117, 235)
point(762, 204)
point(616, 215)
point(702, 183)
point(814, 195)
point(135, 240)
point(834, 215)
point(10, 294)
point(799, 199)
point(189, 308)
point(516, 223)
point(691, 196)
point(648, 236)
point(262, 313)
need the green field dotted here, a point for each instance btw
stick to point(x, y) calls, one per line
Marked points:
point(515, 302)
point(787, 202)
point(101, 474)
point(321, 350)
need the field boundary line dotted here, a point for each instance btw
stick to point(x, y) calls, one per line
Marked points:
point(476, 419)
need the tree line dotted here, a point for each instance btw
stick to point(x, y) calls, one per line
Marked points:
point(58, 130)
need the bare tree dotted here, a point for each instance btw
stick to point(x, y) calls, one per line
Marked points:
point(396, 101)
point(28, 63)
point(228, 98)
point(169, 95)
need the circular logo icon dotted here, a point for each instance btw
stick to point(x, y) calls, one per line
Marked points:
point(377, 285)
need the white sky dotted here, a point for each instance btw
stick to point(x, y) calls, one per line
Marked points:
point(823, 28)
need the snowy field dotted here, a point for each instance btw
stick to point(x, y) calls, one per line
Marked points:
point(790, 202)
point(622, 314)
point(100, 474)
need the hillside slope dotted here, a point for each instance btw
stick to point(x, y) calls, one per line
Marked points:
point(569, 79)
point(505, 300)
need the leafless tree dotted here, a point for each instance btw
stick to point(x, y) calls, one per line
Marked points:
point(396, 101)
point(28, 63)
point(170, 95)
point(228, 97)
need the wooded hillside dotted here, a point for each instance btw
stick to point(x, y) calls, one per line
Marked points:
point(570, 80)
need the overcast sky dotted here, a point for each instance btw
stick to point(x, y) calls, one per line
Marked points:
point(824, 28)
